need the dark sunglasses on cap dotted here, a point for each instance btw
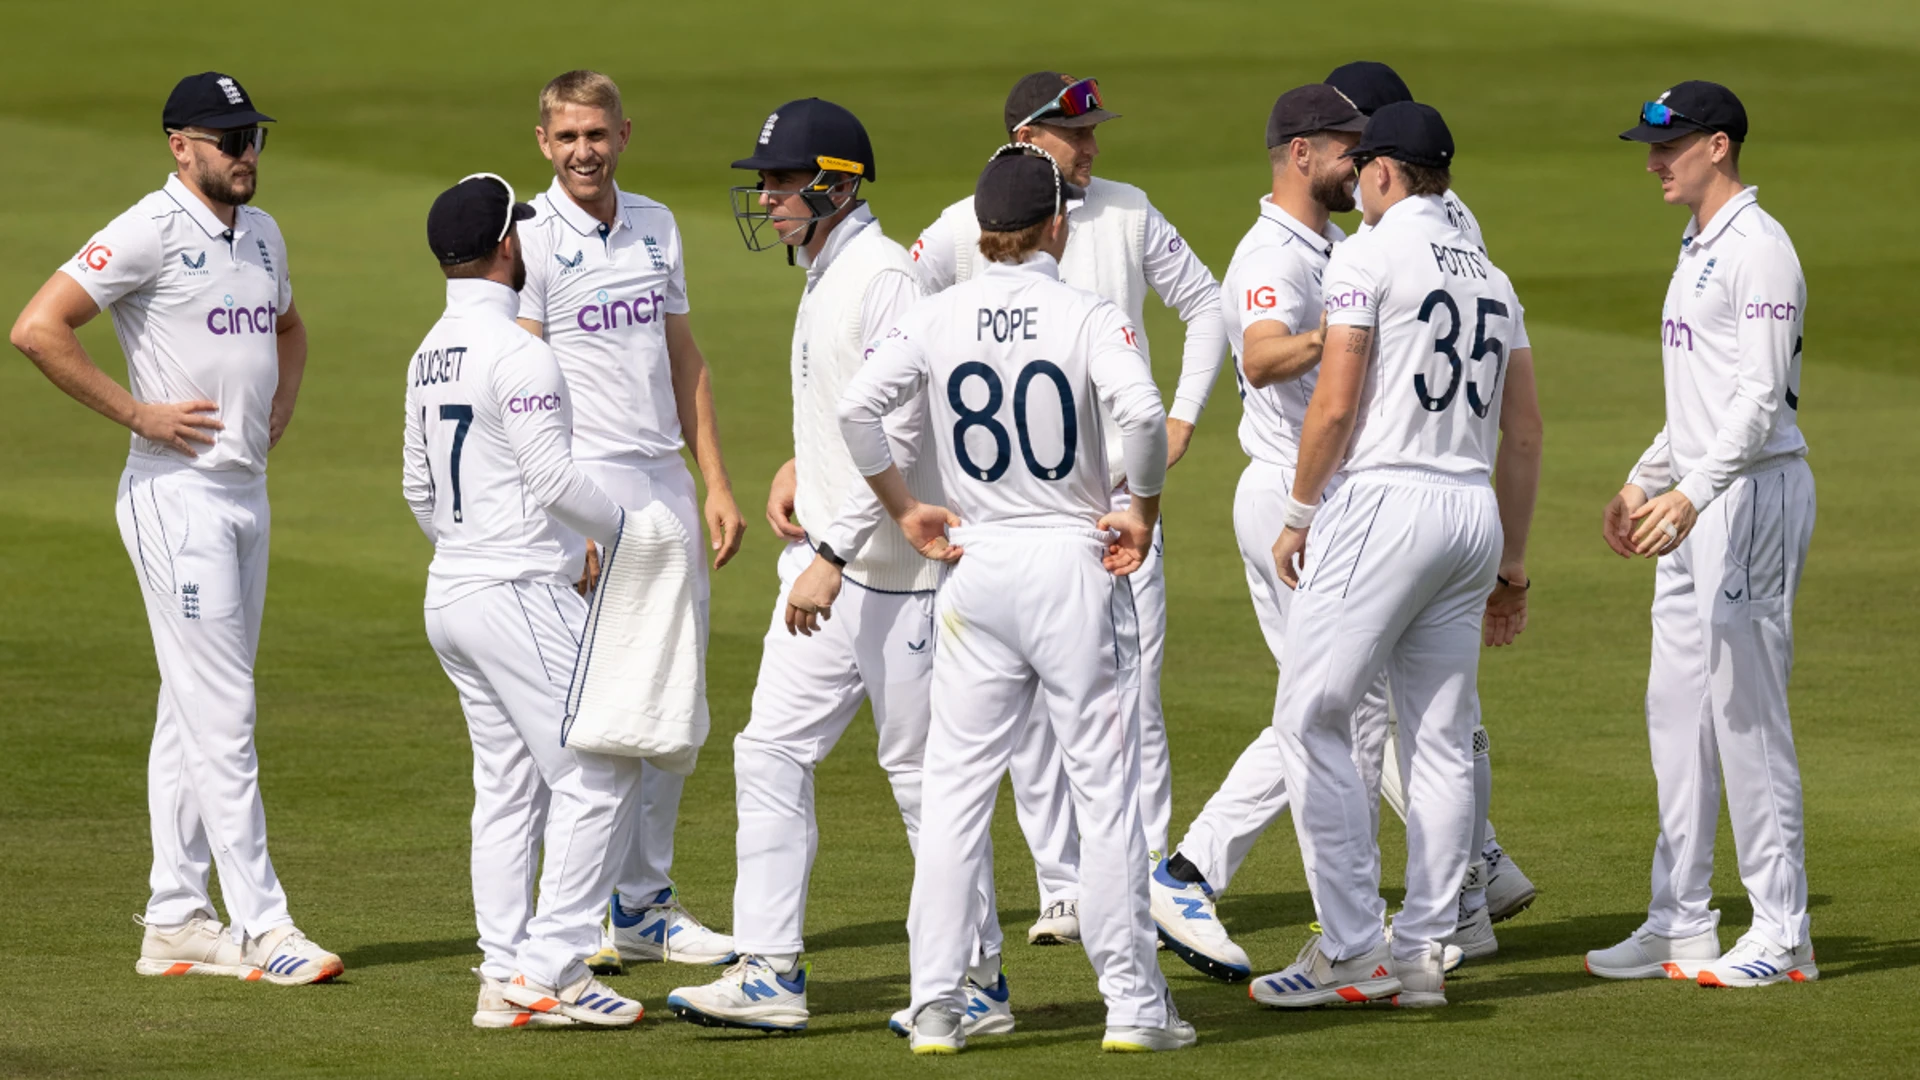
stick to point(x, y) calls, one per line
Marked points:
point(232, 142)
point(1077, 99)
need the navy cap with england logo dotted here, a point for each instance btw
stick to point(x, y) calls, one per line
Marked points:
point(1406, 131)
point(470, 218)
point(1694, 105)
point(1305, 110)
point(1369, 84)
point(1020, 186)
point(210, 100)
point(812, 135)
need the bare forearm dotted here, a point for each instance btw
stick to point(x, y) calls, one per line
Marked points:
point(890, 486)
point(56, 350)
point(293, 368)
point(1323, 446)
point(1516, 483)
point(1282, 359)
point(693, 400)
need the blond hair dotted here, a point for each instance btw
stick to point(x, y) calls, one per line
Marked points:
point(1014, 246)
point(588, 88)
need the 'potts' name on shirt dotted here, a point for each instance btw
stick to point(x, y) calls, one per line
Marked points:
point(228, 319)
point(606, 313)
point(1460, 261)
point(436, 366)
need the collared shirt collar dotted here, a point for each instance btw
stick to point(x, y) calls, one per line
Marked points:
point(1424, 205)
point(1721, 219)
point(843, 233)
point(199, 212)
point(576, 215)
point(483, 294)
point(1038, 262)
point(1321, 242)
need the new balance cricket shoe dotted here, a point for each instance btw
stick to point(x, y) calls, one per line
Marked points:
point(1753, 961)
point(936, 1030)
point(1177, 1035)
point(586, 1000)
point(1423, 981)
point(1184, 913)
point(1509, 892)
point(750, 994)
point(196, 947)
point(1315, 979)
point(989, 1011)
point(1647, 955)
point(285, 957)
point(660, 930)
point(1058, 925)
point(495, 1011)
point(1473, 936)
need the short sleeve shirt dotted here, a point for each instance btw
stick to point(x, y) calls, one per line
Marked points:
point(1275, 276)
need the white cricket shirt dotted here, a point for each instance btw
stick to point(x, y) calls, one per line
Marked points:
point(1275, 276)
point(1457, 213)
point(488, 472)
point(1015, 364)
point(602, 293)
point(1445, 320)
point(1730, 341)
point(195, 306)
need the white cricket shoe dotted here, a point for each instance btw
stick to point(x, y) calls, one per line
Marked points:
point(1753, 961)
point(1313, 979)
point(662, 930)
point(1423, 982)
point(495, 1011)
point(1647, 955)
point(1177, 1035)
point(285, 957)
point(196, 947)
point(989, 1011)
point(750, 994)
point(1473, 936)
point(937, 1030)
point(586, 1000)
point(1509, 892)
point(1450, 956)
point(1058, 925)
point(1184, 913)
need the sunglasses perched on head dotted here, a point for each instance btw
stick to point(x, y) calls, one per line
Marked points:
point(1654, 114)
point(232, 142)
point(1078, 99)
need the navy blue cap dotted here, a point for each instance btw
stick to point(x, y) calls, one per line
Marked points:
point(470, 218)
point(1305, 110)
point(1406, 131)
point(209, 100)
point(812, 135)
point(1020, 186)
point(1370, 85)
point(1694, 105)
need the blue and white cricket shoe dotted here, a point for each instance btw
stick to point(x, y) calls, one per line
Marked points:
point(989, 1011)
point(1754, 961)
point(1189, 924)
point(660, 930)
point(1315, 979)
point(751, 994)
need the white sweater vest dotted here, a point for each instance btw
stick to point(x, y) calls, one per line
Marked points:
point(1106, 254)
point(828, 349)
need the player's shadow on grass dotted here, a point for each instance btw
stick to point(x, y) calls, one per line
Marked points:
point(859, 935)
point(407, 952)
point(1845, 957)
point(1250, 914)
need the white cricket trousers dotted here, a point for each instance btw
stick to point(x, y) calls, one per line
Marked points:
point(1031, 612)
point(644, 845)
point(1254, 794)
point(1717, 701)
point(1399, 565)
point(877, 646)
point(509, 649)
point(198, 543)
point(1042, 798)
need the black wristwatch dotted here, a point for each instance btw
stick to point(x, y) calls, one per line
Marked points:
point(1502, 580)
point(826, 552)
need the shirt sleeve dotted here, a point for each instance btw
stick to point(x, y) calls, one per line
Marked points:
point(1764, 346)
point(1124, 384)
point(894, 372)
point(416, 477)
point(543, 446)
point(932, 254)
point(1350, 289)
point(676, 302)
point(889, 296)
point(1653, 473)
point(1264, 286)
point(1186, 285)
point(121, 259)
point(533, 295)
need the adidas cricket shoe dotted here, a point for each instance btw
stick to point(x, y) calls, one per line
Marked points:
point(286, 957)
point(662, 930)
point(1755, 962)
point(196, 947)
point(1509, 892)
point(989, 1011)
point(1647, 955)
point(495, 1011)
point(1058, 925)
point(937, 1030)
point(1314, 979)
point(751, 994)
point(1423, 981)
point(586, 1000)
point(1473, 936)
point(1451, 957)
point(1184, 913)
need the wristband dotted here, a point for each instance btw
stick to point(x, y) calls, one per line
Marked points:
point(825, 551)
point(1299, 514)
point(1501, 578)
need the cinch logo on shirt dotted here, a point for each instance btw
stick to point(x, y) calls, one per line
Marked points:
point(1760, 309)
point(533, 403)
point(1352, 298)
point(606, 314)
point(1677, 333)
point(94, 256)
point(222, 321)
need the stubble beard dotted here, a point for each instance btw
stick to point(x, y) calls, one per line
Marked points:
point(233, 190)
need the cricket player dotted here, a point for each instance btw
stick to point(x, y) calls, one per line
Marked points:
point(854, 619)
point(1725, 500)
point(1012, 362)
point(490, 477)
point(607, 288)
point(197, 283)
point(1121, 247)
point(1426, 366)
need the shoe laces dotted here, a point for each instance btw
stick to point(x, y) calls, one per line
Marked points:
point(1060, 909)
point(676, 911)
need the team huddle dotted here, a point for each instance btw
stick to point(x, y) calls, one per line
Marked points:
point(972, 546)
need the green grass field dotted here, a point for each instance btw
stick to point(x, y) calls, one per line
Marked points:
point(364, 758)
